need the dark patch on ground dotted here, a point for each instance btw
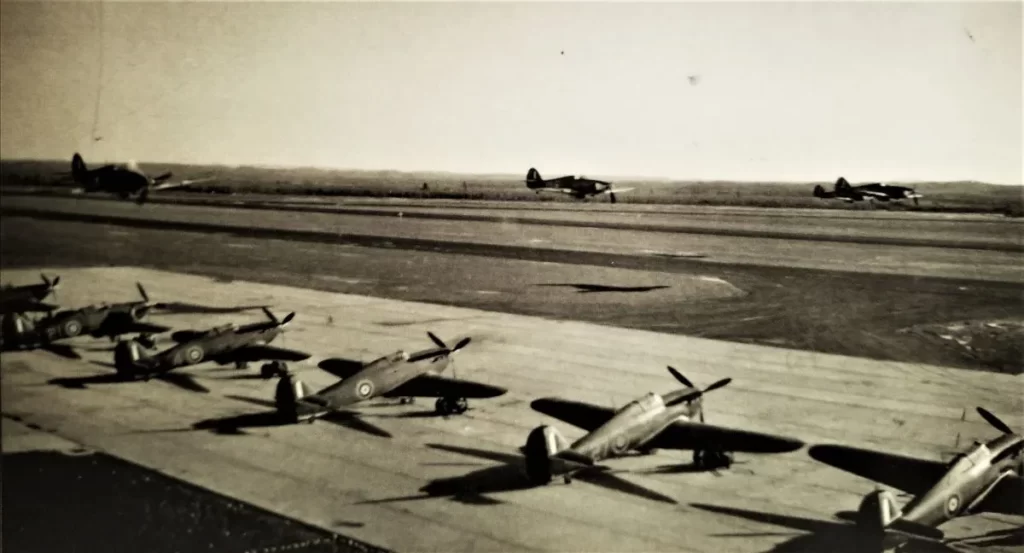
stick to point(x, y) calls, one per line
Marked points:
point(995, 344)
point(594, 288)
point(57, 502)
point(845, 313)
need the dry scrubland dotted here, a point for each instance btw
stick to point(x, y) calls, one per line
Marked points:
point(940, 196)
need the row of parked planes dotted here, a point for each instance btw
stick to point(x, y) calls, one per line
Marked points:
point(127, 180)
point(986, 478)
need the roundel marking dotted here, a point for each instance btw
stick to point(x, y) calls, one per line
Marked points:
point(619, 443)
point(953, 504)
point(364, 388)
point(72, 328)
point(194, 354)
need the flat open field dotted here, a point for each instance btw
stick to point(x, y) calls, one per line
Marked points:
point(417, 492)
point(939, 196)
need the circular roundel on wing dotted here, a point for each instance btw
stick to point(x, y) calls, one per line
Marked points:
point(952, 504)
point(72, 328)
point(364, 388)
point(619, 444)
point(194, 354)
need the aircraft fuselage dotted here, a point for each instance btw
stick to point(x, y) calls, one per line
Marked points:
point(381, 376)
point(634, 425)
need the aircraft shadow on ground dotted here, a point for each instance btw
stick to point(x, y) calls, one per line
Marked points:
point(473, 488)
point(836, 536)
point(236, 424)
point(583, 288)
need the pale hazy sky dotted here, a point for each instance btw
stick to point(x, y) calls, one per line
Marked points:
point(752, 91)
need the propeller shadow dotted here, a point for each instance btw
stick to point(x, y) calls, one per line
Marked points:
point(594, 288)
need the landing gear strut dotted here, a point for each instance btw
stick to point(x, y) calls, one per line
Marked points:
point(451, 406)
point(712, 459)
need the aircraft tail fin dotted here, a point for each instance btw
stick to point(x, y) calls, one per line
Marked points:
point(127, 356)
point(842, 184)
point(533, 179)
point(79, 172)
point(819, 192)
point(547, 452)
point(877, 511)
point(289, 391)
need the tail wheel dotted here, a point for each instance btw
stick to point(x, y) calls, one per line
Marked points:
point(712, 459)
point(452, 406)
point(72, 328)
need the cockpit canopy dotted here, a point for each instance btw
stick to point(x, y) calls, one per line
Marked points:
point(648, 402)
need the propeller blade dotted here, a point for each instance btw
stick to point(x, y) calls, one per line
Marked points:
point(437, 340)
point(994, 421)
point(679, 376)
point(462, 343)
point(142, 292)
point(287, 319)
point(55, 283)
point(721, 383)
point(269, 315)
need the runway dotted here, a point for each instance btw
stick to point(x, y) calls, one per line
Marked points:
point(865, 300)
point(370, 488)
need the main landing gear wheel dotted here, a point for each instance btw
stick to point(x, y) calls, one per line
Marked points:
point(711, 460)
point(451, 406)
point(274, 368)
point(241, 364)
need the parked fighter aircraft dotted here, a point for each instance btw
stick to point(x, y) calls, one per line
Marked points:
point(873, 191)
point(21, 299)
point(110, 320)
point(577, 187)
point(398, 375)
point(223, 345)
point(987, 478)
point(651, 422)
point(125, 180)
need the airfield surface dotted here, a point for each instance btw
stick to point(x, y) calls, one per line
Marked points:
point(369, 487)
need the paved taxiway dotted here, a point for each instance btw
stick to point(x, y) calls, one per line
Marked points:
point(336, 478)
point(935, 258)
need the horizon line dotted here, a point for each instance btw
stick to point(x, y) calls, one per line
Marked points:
point(623, 178)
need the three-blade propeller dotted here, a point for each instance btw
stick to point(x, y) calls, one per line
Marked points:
point(694, 393)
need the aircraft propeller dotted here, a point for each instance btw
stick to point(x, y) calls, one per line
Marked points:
point(994, 421)
point(278, 322)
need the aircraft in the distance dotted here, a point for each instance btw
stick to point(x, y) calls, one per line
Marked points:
point(21, 299)
point(110, 320)
point(651, 422)
point(124, 180)
point(872, 191)
point(577, 187)
point(986, 478)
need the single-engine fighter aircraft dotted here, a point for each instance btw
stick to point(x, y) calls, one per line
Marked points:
point(22, 299)
point(651, 422)
point(986, 478)
point(124, 180)
point(873, 191)
point(577, 187)
point(398, 375)
point(223, 345)
point(110, 320)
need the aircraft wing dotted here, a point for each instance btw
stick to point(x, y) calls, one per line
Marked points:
point(909, 474)
point(26, 306)
point(124, 324)
point(1007, 497)
point(683, 434)
point(433, 385)
point(169, 185)
point(341, 368)
point(560, 190)
point(581, 415)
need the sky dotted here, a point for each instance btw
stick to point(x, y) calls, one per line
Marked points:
point(758, 91)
